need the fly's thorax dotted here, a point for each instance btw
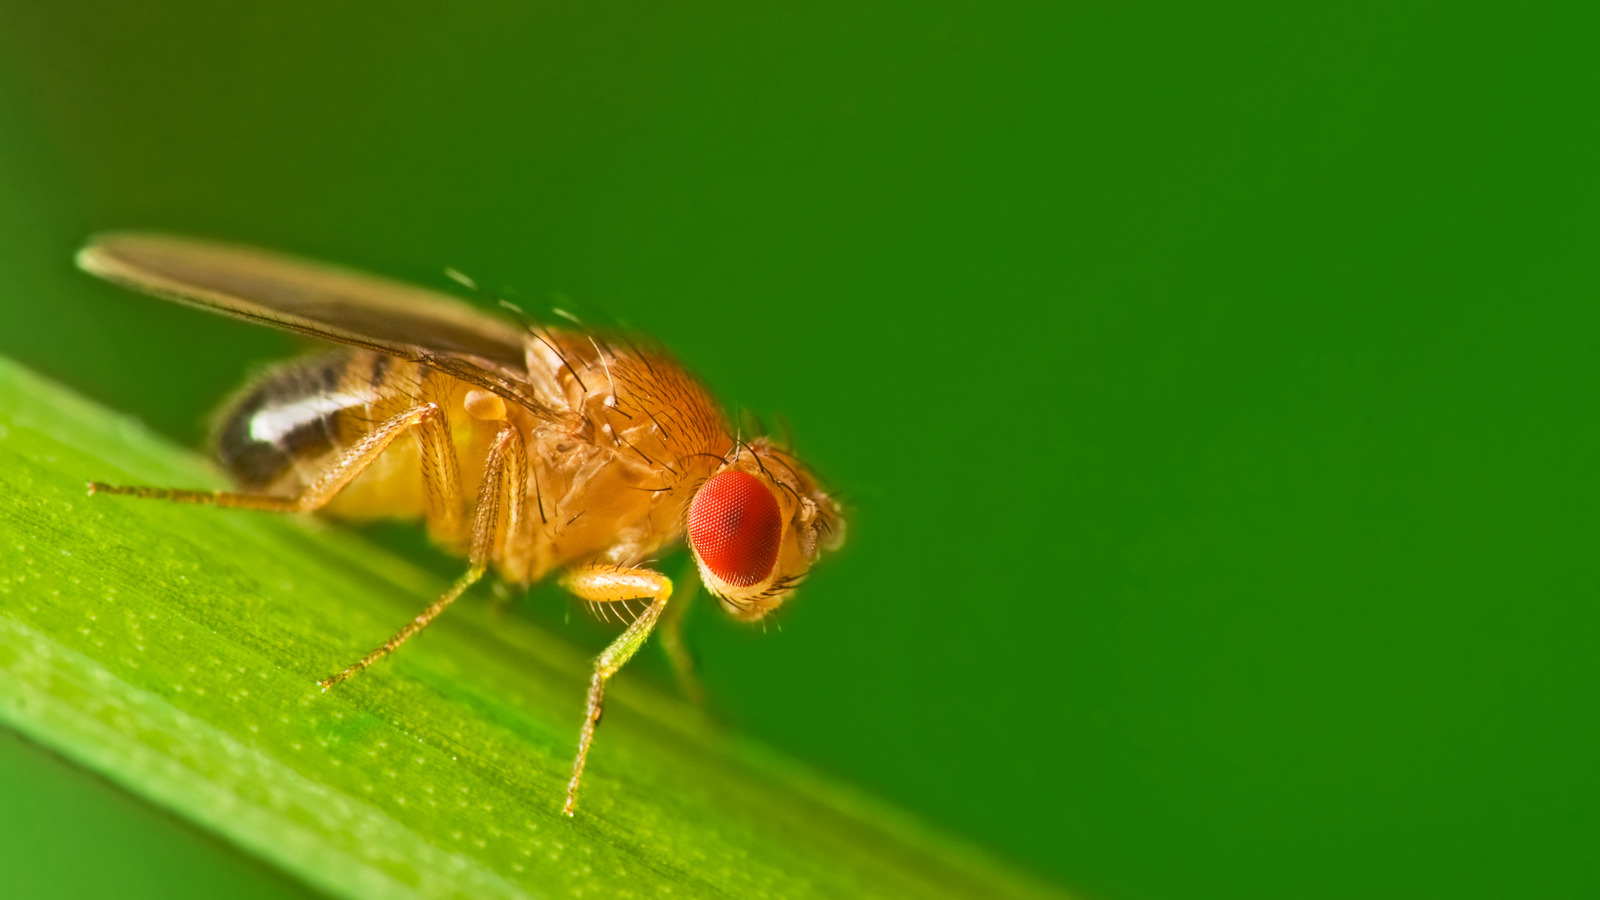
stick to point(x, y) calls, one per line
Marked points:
point(590, 501)
point(637, 433)
point(757, 525)
point(630, 398)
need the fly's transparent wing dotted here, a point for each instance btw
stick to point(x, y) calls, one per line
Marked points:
point(322, 301)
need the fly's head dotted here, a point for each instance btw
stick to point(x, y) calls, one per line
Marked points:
point(756, 527)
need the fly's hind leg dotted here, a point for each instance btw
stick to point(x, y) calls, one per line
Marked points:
point(441, 478)
point(439, 467)
point(612, 584)
point(505, 485)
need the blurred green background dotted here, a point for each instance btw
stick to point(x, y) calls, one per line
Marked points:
point(1214, 388)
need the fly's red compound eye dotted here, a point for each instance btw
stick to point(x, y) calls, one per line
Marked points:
point(735, 527)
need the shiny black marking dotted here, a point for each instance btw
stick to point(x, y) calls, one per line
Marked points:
point(256, 463)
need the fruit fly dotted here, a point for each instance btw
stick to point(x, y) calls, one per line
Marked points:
point(532, 451)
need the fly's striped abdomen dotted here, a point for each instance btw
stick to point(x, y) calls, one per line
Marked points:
point(290, 415)
point(298, 420)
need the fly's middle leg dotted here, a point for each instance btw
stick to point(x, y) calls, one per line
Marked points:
point(505, 471)
point(611, 584)
point(504, 489)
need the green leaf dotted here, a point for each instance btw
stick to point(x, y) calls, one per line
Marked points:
point(175, 650)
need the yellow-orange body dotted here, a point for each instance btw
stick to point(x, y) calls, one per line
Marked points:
point(609, 475)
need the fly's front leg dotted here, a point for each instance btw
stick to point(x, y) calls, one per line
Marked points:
point(610, 584)
point(504, 485)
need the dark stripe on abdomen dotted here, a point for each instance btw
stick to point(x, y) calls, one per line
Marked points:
point(289, 414)
point(380, 370)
